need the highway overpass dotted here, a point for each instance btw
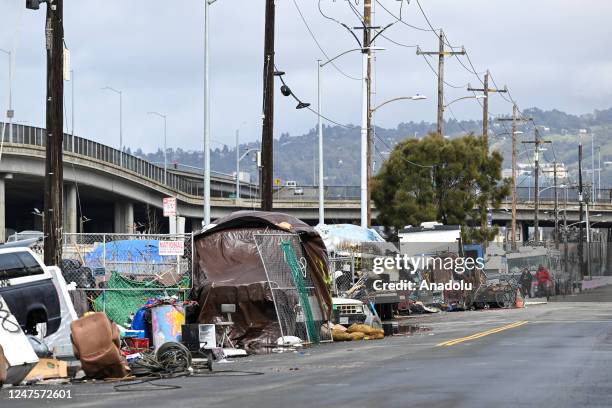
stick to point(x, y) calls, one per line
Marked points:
point(110, 191)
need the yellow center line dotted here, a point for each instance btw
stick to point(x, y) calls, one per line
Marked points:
point(481, 334)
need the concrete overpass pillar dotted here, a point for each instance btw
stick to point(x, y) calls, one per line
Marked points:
point(124, 218)
point(2, 211)
point(70, 209)
point(525, 232)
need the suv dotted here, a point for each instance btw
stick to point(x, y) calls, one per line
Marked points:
point(27, 288)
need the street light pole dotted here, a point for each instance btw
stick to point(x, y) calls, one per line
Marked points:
point(320, 128)
point(72, 110)
point(206, 219)
point(238, 158)
point(164, 117)
point(120, 93)
point(10, 113)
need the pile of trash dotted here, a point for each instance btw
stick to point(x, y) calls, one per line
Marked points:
point(356, 332)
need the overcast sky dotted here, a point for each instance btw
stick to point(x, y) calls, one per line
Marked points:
point(550, 53)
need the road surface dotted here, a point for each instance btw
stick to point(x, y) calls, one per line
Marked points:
point(553, 355)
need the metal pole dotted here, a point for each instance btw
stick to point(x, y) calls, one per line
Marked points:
point(364, 139)
point(206, 219)
point(513, 225)
point(592, 167)
point(588, 240)
point(72, 110)
point(10, 113)
point(320, 127)
point(536, 229)
point(599, 172)
point(237, 163)
point(121, 128)
point(556, 207)
point(165, 153)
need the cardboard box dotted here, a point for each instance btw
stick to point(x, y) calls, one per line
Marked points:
point(48, 368)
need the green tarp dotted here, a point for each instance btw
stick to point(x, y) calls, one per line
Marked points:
point(124, 296)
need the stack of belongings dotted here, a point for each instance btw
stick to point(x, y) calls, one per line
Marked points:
point(95, 341)
point(3, 367)
point(356, 332)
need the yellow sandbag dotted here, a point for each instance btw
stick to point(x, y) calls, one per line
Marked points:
point(339, 327)
point(361, 328)
point(338, 335)
point(357, 336)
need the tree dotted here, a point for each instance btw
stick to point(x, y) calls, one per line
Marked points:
point(450, 181)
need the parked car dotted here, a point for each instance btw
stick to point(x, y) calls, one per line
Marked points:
point(27, 288)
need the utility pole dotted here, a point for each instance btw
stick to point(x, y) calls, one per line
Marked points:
point(54, 176)
point(267, 132)
point(485, 108)
point(537, 142)
point(367, 20)
point(441, 53)
point(514, 120)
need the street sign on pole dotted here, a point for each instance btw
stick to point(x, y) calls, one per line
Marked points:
point(169, 206)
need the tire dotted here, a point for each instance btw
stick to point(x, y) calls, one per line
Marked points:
point(503, 300)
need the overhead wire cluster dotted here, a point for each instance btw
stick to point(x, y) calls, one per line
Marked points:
point(465, 60)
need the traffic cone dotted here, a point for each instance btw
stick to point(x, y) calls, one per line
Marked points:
point(520, 302)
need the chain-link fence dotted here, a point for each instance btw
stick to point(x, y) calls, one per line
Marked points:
point(298, 309)
point(118, 273)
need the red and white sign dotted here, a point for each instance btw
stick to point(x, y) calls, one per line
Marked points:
point(169, 207)
point(171, 248)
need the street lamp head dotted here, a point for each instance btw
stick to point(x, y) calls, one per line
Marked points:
point(480, 97)
point(518, 132)
point(418, 97)
point(302, 105)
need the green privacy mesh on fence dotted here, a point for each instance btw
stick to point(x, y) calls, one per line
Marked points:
point(124, 296)
point(301, 287)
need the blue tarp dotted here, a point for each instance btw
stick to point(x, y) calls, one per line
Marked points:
point(340, 236)
point(137, 251)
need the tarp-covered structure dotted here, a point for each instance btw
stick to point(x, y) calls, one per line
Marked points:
point(228, 270)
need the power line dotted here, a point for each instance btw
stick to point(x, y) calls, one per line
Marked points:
point(400, 18)
point(436, 74)
point(319, 44)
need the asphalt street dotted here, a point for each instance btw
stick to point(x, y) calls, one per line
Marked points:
point(553, 355)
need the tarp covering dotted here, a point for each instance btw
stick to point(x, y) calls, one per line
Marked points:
point(338, 237)
point(119, 304)
point(133, 250)
point(228, 269)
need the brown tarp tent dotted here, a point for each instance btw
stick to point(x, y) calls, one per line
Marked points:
point(228, 269)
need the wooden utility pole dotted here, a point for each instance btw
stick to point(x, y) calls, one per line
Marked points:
point(52, 217)
point(514, 120)
point(267, 132)
point(556, 204)
point(441, 53)
point(485, 108)
point(536, 142)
